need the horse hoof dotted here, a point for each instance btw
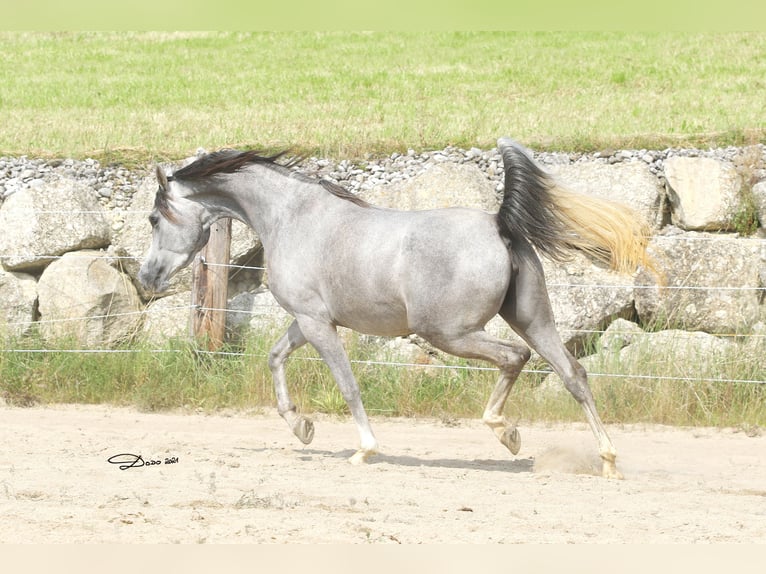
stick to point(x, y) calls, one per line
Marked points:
point(609, 470)
point(304, 430)
point(361, 457)
point(511, 439)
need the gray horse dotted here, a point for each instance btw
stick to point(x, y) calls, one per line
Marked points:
point(335, 260)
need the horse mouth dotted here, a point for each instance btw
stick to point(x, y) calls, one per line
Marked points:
point(155, 283)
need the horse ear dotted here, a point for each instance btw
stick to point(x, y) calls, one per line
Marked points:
point(162, 179)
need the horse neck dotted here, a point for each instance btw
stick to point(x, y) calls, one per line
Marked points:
point(260, 197)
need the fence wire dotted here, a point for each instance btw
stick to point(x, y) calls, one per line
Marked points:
point(189, 308)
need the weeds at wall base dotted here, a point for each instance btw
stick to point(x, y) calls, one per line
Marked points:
point(179, 377)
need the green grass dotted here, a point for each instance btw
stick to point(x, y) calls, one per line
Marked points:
point(649, 391)
point(147, 96)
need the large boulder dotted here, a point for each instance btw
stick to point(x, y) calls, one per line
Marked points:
point(618, 335)
point(441, 185)
point(669, 355)
point(84, 298)
point(674, 353)
point(18, 296)
point(167, 318)
point(134, 239)
point(704, 193)
point(256, 311)
point(42, 222)
point(631, 183)
point(707, 283)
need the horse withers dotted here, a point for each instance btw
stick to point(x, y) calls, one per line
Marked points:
point(335, 260)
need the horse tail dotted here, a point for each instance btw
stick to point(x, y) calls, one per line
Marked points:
point(556, 221)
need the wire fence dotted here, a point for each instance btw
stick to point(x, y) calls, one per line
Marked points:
point(397, 364)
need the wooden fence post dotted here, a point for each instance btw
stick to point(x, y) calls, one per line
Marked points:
point(210, 282)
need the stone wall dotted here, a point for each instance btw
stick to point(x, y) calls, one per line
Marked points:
point(73, 238)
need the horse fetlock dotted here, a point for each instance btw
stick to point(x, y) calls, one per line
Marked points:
point(493, 421)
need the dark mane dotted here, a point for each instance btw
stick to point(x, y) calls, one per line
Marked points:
point(231, 161)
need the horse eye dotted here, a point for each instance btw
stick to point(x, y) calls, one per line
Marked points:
point(154, 220)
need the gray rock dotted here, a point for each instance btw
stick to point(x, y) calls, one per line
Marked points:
point(18, 293)
point(696, 350)
point(83, 298)
point(699, 353)
point(257, 311)
point(167, 318)
point(704, 193)
point(708, 283)
point(618, 335)
point(759, 197)
point(754, 346)
point(41, 223)
point(442, 185)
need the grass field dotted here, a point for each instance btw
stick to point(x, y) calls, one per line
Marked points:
point(145, 96)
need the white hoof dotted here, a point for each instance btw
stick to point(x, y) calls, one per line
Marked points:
point(361, 456)
point(609, 470)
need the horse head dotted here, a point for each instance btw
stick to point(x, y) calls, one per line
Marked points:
point(180, 228)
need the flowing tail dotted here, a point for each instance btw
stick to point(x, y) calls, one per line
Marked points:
point(557, 221)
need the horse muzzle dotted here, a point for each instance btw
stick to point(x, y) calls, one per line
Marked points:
point(154, 281)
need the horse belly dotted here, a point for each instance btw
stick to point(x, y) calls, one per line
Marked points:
point(370, 307)
point(460, 286)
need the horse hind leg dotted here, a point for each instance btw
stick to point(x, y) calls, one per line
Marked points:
point(509, 358)
point(529, 313)
point(293, 338)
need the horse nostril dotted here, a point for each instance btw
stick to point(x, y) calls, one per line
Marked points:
point(149, 280)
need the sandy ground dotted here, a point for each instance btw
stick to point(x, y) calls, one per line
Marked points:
point(244, 478)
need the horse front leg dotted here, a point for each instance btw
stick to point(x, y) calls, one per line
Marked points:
point(293, 338)
point(324, 338)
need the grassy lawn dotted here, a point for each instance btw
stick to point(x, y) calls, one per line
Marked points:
point(148, 96)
